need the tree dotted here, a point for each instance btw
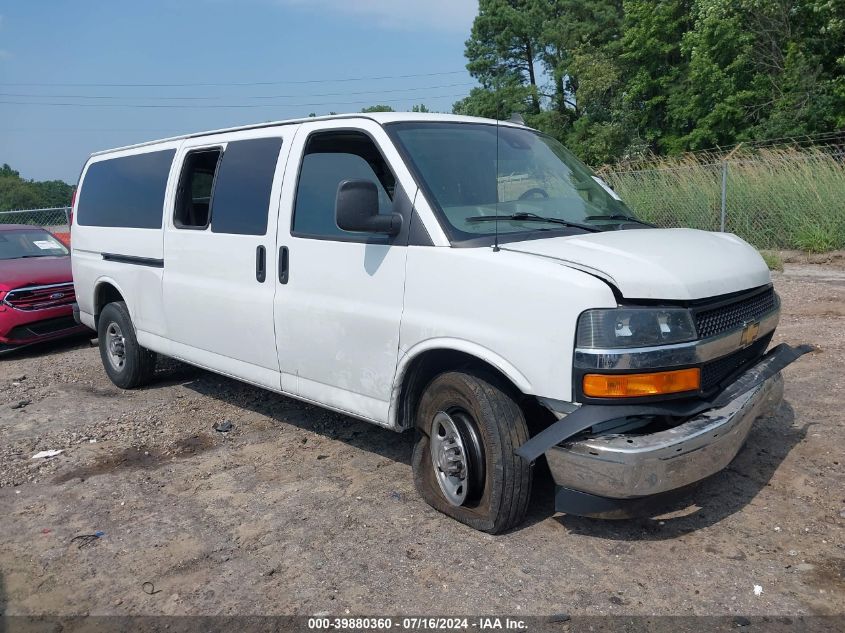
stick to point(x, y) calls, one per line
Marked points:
point(611, 78)
point(6, 171)
point(760, 69)
point(420, 108)
point(510, 96)
point(18, 193)
point(656, 67)
point(578, 37)
point(581, 49)
point(377, 108)
point(503, 47)
point(574, 42)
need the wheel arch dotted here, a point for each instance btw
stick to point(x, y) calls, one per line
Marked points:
point(106, 290)
point(428, 359)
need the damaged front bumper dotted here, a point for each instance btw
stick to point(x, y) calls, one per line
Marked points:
point(629, 466)
point(607, 475)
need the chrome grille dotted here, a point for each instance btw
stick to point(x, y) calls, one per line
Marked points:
point(41, 297)
point(713, 321)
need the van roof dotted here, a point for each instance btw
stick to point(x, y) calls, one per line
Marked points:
point(378, 117)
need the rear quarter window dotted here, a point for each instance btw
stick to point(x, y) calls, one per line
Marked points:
point(126, 191)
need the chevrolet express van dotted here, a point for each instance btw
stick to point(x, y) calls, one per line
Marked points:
point(468, 279)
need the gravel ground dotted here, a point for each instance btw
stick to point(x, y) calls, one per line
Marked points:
point(299, 511)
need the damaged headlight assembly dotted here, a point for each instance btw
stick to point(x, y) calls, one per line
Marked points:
point(634, 327)
point(629, 328)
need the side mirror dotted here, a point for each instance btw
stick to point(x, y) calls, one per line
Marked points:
point(356, 209)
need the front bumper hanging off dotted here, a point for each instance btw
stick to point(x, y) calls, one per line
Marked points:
point(610, 475)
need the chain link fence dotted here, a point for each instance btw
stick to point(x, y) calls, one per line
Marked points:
point(788, 196)
point(55, 219)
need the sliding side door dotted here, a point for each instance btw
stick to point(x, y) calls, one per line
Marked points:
point(220, 253)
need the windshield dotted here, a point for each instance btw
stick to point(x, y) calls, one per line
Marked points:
point(30, 243)
point(529, 180)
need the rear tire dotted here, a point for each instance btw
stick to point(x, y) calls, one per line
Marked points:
point(464, 462)
point(127, 364)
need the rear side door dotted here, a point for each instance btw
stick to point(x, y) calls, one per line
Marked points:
point(219, 244)
point(340, 294)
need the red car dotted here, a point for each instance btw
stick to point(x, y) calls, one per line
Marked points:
point(36, 288)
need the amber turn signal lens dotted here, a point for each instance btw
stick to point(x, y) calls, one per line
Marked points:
point(638, 385)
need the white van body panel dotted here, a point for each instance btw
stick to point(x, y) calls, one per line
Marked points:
point(514, 311)
point(672, 264)
point(90, 269)
point(224, 365)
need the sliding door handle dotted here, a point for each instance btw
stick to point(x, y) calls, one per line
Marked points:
point(261, 264)
point(284, 264)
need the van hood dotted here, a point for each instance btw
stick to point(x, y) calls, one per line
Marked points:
point(672, 264)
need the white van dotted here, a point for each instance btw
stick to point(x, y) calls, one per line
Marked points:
point(468, 279)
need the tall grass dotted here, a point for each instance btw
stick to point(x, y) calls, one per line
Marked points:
point(776, 198)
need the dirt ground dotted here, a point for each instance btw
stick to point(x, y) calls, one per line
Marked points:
point(300, 511)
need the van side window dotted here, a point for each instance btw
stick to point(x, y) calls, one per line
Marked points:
point(242, 190)
point(126, 191)
point(329, 158)
point(193, 199)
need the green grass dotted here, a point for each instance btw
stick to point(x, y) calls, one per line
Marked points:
point(776, 198)
point(773, 260)
point(816, 239)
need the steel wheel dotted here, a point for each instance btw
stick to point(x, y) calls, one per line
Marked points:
point(457, 456)
point(465, 465)
point(116, 346)
point(127, 364)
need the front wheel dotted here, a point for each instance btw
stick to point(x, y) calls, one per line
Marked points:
point(464, 461)
point(127, 364)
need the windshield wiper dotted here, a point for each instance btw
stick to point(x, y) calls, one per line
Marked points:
point(619, 216)
point(533, 217)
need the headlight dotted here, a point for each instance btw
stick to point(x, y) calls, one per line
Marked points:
point(634, 327)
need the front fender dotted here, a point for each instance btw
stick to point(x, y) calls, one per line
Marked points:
point(475, 350)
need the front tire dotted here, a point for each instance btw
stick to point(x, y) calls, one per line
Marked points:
point(464, 462)
point(127, 364)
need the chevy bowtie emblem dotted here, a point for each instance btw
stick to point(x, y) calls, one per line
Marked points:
point(749, 333)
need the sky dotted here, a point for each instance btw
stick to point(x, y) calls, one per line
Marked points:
point(73, 74)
